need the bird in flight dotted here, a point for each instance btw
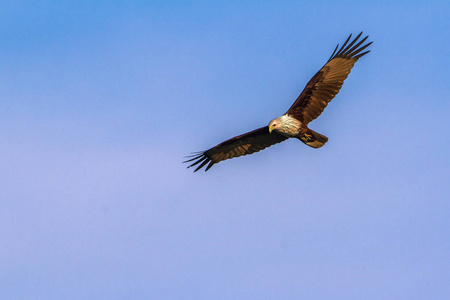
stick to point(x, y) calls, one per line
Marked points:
point(320, 90)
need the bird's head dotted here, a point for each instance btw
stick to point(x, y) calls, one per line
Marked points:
point(275, 124)
point(286, 125)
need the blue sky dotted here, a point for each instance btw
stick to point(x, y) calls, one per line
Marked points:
point(101, 100)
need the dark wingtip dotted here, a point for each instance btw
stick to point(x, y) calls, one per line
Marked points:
point(193, 154)
point(206, 160)
point(192, 157)
point(199, 158)
point(350, 50)
point(362, 54)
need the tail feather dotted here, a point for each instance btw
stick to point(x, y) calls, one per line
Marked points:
point(312, 138)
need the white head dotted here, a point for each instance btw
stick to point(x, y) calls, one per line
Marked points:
point(275, 124)
point(285, 125)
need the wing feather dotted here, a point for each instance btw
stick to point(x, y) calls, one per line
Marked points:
point(326, 83)
point(244, 144)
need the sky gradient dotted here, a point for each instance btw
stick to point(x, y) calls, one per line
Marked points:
point(101, 101)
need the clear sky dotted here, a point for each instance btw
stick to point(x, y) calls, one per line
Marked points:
point(100, 101)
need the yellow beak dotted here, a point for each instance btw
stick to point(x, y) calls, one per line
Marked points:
point(270, 129)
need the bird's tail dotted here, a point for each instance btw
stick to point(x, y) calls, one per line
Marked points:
point(312, 138)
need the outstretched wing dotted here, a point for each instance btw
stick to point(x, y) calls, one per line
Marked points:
point(244, 144)
point(328, 81)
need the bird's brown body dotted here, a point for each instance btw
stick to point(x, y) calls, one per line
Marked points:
point(316, 95)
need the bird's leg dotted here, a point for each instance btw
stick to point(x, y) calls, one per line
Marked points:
point(307, 137)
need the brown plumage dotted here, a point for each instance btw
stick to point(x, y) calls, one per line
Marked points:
point(322, 87)
point(326, 83)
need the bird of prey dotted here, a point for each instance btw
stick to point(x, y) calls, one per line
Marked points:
point(322, 87)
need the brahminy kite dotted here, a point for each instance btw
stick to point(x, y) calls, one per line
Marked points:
point(322, 87)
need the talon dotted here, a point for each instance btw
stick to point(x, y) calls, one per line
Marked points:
point(308, 137)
